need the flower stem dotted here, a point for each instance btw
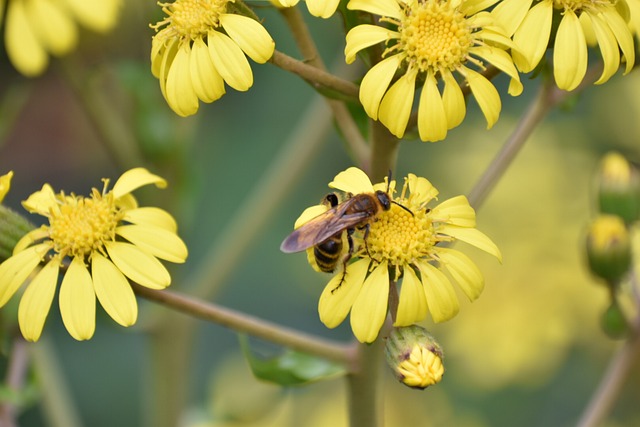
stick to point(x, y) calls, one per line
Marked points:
point(241, 322)
point(617, 372)
point(384, 156)
point(365, 398)
point(15, 377)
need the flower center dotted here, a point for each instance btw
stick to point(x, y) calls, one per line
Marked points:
point(82, 225)
point(399, 237)
point(422, 368)
point(435, 35)
point(190, 19)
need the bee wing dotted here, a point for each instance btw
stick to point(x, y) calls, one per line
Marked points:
point(321, 228)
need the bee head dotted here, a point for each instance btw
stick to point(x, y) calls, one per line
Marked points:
point(384, 199)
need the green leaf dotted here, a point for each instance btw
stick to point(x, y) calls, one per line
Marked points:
point(291, 367)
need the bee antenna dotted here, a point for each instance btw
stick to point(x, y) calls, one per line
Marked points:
point(403, 207)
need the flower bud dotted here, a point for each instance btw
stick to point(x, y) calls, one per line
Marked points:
point(619, 188)
point(414, 356)
point(12, 225)
point(608, 248)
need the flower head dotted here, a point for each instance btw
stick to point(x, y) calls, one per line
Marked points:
point(531, 28)
point(430, 41)
point(403, 243)
point(107, 239)
point(36, 29)
point(203, 45)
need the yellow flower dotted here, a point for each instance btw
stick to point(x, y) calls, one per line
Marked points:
point(202, 46)
point(37, 28)
point(320, 8)
point(403, 245)
point(531, 29)
point(428, 41)
point(108, 240)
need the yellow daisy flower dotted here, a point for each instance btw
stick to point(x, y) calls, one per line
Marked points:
point(531, 29)
point(319, 8)
point(108, 239)
point(430, 41)
point(203, 45)
point(402, 245)
point(36, 29)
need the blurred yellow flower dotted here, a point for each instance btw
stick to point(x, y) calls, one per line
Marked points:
point(428, 41)
point(531, 29)
point(401, 244)
point(318, 8)
point(36, 29)
point(108, 232)
point(202, 46)
point(5, 184)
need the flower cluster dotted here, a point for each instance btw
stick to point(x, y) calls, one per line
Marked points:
point(35, 29)
point(105, 240)
point(407, 243)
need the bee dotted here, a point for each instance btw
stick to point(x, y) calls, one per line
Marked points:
point(325, 232)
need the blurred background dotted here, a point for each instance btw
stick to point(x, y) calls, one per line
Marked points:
point(528, 352)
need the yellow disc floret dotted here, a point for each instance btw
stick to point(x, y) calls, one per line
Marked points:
point(82, 225)
point(435, 35)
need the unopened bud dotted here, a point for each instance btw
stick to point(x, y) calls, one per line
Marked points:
point(613, 322)
point(12, 225)
point(608, 248)
point(619, 188)
point(414, 356)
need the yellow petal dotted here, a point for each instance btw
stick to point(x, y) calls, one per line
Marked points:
point(432, 118)
point(16, 269)
point(473, 237)
point(5, 180)
point(503, 61)
point(453, 100)
point(608, 47)
point(370, 307)
point(412, 307)
point(396, 104)
point(623, 36)
point(207, 83)
point(23, 47)
point(113, 291)
point(158, 242)
point(151, 216)
point(532, 37)
point(456, 211)
point(352, 180)
point(472, 7)
point(134, 179)
point(77, 301)
point(569, 52)
point(441, 298)
point(180, 93)
point(463, 270)
point(375, 84)
point(41, 202)
point(510, 13)
point(335, 302)
point(168, 55)
point(97, 15)
point(139, 266)
point(310, 213)
point(55, 29)
point(30, 238)
point(422, 191)
point(322, 8)
point(36, 301)
point(390, 8)
point(230, 61)
point(363, 36)
point(486, 96)
point(250, 35)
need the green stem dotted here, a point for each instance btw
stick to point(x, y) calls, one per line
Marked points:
point(365, 397)
point(384, 156)
point(241, 322)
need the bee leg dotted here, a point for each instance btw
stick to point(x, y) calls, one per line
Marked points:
point(366, 245)
point(345, 260)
